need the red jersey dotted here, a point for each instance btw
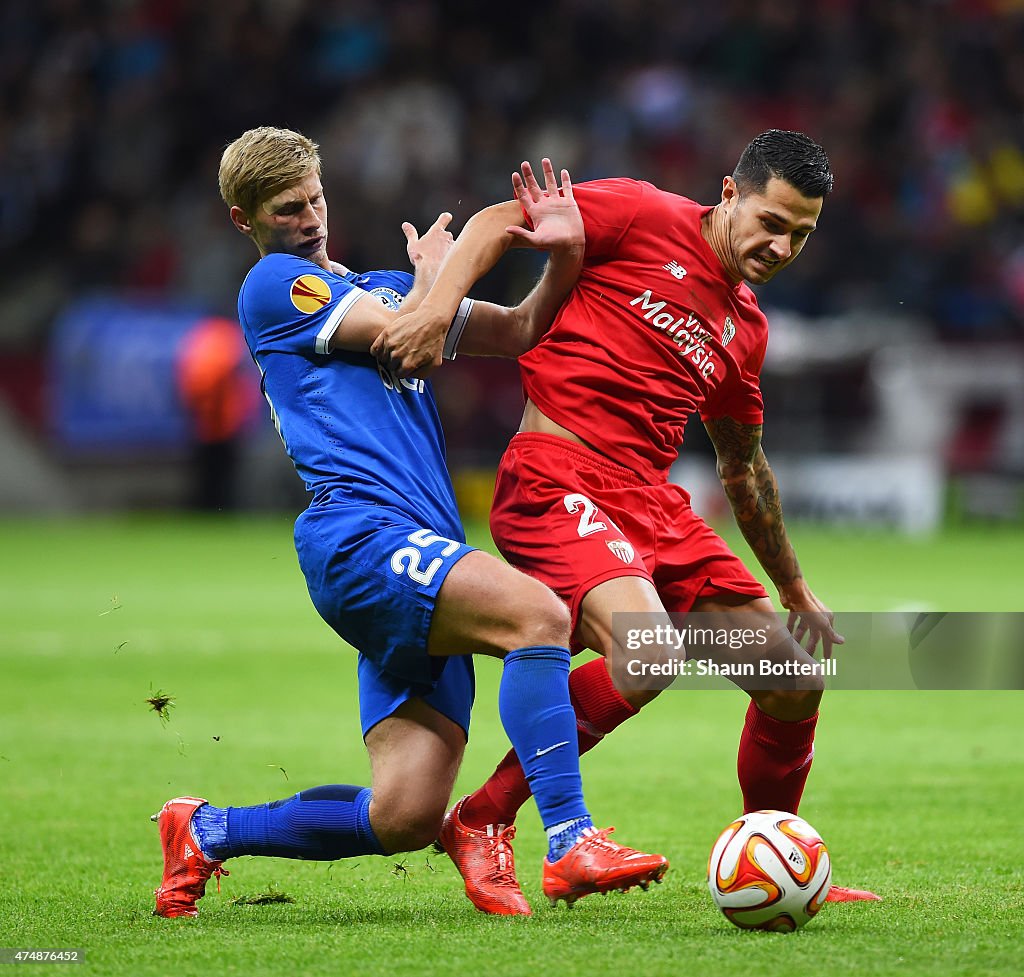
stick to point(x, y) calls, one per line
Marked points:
point(653, 331)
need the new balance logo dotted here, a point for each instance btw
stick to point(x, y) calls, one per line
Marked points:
point(675, 269)
point(550, 748)
point(188, 850)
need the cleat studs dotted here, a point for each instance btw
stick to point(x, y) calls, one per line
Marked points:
point(155, 817)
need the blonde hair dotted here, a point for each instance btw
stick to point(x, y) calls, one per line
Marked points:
point(262, 162)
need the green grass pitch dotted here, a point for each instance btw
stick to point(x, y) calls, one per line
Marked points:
point(917, 794)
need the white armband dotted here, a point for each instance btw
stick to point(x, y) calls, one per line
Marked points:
point(451, 341)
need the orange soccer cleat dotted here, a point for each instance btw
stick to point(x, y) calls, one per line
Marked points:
point(839, 893)
point(485, 861)
point(186, 868)
point(596, 864)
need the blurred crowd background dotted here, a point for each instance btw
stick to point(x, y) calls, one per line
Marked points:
point(898, 337)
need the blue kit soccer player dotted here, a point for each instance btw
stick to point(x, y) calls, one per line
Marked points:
point(383, 550)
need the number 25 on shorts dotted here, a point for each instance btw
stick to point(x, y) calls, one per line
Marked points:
point(407, 560)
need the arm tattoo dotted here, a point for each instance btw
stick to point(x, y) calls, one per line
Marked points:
point(753, 493)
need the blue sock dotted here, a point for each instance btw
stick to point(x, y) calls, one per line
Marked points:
point(533, 701)
point(563, 836)
point(209, 826)
point(320, 824)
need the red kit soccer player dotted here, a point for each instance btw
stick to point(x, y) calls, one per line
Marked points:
point(661, 324)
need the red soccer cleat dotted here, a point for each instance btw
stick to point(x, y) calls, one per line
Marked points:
point(186, 868)
point(595, 864)
point(839, 893)
point(485, 862)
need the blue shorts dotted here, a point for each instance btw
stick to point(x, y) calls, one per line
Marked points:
point(380, 694)
point(373, 575)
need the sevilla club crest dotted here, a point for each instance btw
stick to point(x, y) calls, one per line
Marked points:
point(728, 331)
point(621, 549)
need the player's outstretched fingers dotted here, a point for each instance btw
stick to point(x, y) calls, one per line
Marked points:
point(796, 624)
point(443, 220)
point(812, 644)
point(526, 198)
point(528, 179)
point(519, 189)
point(549, 176)
point(410, 232)
point(829, 637)
point(566, 190)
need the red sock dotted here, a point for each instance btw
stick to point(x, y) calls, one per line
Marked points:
point(599, 709)
point(774, 761)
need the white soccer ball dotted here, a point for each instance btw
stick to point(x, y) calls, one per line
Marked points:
point(769, 870)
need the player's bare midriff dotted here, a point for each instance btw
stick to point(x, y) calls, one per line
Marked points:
point(536, 422)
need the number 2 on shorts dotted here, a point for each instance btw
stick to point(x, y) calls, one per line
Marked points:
point(573, 504)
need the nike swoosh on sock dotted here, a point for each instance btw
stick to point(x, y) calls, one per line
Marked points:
point(550, 748)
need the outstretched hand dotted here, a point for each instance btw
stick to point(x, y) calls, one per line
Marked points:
point(809, 618)
point(426, 253)
point(411, 344)
point(556, 219)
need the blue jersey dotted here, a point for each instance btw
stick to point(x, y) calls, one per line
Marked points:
point(355, 433)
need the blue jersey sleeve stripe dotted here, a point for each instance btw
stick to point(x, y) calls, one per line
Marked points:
point(323, 338)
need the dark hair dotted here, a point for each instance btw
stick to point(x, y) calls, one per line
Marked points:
point(790, 156)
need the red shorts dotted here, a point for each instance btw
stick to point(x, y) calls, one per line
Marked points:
point(574, 519)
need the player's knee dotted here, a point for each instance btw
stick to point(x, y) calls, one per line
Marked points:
point(412, 838)
point(407, 827)
point(406, 815)
point(805, 701)
point(543, 619)
point(793, 705)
